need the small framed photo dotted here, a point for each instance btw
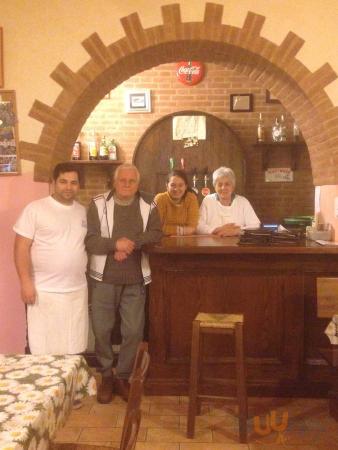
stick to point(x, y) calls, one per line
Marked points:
point(241, 102)
point(138, 101)
point(270, 98)
point(1, 61)
point(9, 139)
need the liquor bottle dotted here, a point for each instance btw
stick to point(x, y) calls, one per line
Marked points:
point(76, 153)
point(112, 150)
point(194, 181)
point(295, 132)
point(103, 151)
point(260, 129)
point(92, 148)
point(205, 190)
point(283, 133)
point(275, 132)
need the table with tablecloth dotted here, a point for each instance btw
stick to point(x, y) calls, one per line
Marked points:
point(36, 397)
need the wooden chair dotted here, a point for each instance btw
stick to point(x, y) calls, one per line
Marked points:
point(132, 417)
point(228, 324)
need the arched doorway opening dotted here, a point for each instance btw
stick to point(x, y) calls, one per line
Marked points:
point(274, 67)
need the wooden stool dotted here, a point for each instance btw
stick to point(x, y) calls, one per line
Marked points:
point(230, 324)
point(330, 354)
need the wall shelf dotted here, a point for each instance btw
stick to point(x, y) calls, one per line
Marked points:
point(90, 162)
point(291, 147)
point(107, 165)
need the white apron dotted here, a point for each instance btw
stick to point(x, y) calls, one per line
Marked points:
point(58, 322)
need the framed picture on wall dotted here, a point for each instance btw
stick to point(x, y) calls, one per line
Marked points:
point(1, 61)
point(241, 102)
point(9, 139)
point(137, 101)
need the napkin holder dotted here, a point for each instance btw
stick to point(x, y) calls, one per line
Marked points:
point(313, 234)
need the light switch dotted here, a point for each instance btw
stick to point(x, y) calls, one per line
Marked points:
point(336, 207)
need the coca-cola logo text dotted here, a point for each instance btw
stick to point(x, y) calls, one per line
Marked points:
point(190, 72)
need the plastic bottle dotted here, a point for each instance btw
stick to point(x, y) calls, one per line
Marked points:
point(92, 148)
point(103, 152)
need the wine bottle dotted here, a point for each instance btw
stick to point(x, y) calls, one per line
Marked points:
point(295, 132)
point(275, 132)
point(260, 129)
point(103, 152)
point(283, 133)
point(76, 153)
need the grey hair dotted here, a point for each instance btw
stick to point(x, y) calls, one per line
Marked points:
point(126, 166)
point(222, 172)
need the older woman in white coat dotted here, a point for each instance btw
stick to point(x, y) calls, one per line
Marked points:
point(225, 213)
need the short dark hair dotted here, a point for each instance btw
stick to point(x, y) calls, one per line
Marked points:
point(66, 167)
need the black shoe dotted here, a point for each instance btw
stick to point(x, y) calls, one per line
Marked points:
point(105, 391)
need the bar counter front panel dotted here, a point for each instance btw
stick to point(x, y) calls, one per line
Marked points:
point(274, 287)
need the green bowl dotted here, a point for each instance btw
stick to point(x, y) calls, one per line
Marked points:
point(300, 221)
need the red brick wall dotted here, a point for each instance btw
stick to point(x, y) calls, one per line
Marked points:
point(272, 201)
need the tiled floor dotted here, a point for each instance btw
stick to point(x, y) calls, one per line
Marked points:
point(307, 425)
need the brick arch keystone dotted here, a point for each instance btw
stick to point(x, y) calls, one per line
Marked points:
point(273, 66)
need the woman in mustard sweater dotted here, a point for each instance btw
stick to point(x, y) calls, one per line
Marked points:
point(178, 207)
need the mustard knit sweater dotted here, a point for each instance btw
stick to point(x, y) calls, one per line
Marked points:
point(185, 213)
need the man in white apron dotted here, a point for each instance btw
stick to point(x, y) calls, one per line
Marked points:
point(51, 262)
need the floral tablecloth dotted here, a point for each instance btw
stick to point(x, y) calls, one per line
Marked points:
point(36, 397)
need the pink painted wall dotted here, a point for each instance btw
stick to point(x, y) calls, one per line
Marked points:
point(16, 192)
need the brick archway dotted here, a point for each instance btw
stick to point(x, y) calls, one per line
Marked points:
point(243, 49)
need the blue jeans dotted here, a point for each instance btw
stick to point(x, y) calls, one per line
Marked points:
point(130, 300)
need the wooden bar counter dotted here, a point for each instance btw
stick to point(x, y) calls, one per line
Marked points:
point(273, 286)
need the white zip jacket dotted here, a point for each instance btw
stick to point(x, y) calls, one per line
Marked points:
point(106, 214)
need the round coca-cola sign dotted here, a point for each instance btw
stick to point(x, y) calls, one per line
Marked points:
point(190, 72)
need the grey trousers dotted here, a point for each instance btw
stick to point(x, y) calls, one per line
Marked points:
point(106, 300)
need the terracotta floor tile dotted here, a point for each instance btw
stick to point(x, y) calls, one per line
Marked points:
point(67, 435)
point(85, 409)
point(229, 435)
point(321, 422)
point(303, 437)
point(211, 422)
point(327, 438)
point(117, 406)
point(154, 421)
point(176, 435)
point(100, 434)
point(167, 409)
point(102, 444)
point(156, 446)
point(92, 420)
point(159, 399)
point(197, 446)
point(282, 447)
point(106, 434)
